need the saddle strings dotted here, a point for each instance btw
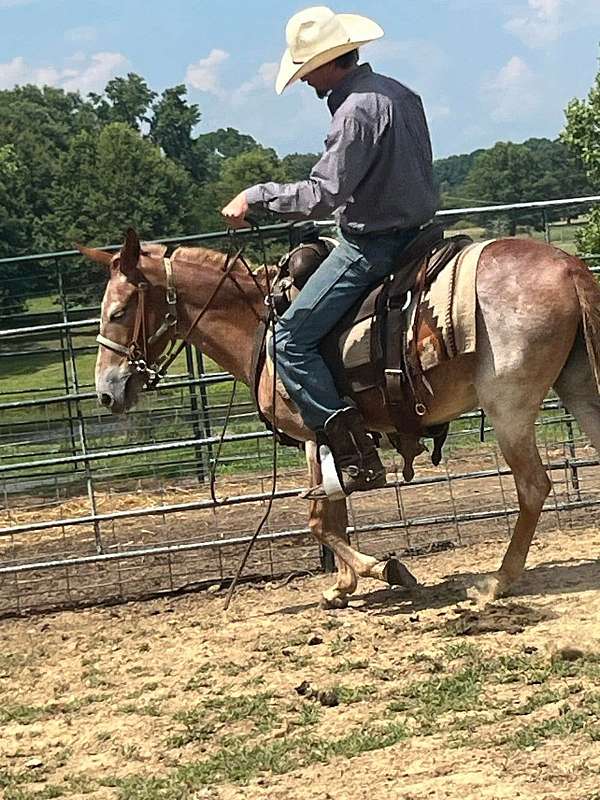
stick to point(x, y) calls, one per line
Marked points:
point(271, 322)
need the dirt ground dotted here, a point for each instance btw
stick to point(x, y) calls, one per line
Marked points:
point(429, 695)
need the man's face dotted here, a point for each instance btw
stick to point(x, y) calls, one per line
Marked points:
point(322, 79)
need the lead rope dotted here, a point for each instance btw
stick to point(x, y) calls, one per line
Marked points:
point(262, 523)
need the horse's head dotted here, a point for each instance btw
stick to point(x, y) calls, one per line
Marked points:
point(133, 332)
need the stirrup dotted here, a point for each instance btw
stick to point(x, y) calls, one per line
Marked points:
point(332, 489)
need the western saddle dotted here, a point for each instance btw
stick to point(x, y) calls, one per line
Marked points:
point(394, 365)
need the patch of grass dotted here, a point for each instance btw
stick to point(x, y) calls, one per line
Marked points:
point(538, 700)
point(531, 736)
point(347, 695)
point(12, 786)
point(339, 645)
point(237, 763)
point(201, 722)
point(310, 714)
point(456, 650)
point(24, 715)
point(151, 709)
point(351, 666)
point(460, 691)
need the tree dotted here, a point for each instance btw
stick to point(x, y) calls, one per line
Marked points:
point(582, 135)
point(39, 124)
point(114, 181)
point(172, 123)
point(450, 174)
point(127, 100)
point(13, 237)
point(502, 174)
point(297, 166)
point(238, 172)
point(228, 142)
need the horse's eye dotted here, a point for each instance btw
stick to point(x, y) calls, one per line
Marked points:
point(117, 315)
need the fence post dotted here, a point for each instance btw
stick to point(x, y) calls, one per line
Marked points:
point(205, 407)
point(80, 420)
point(196, 420)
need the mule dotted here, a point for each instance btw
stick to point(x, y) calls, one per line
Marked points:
point(538, 326)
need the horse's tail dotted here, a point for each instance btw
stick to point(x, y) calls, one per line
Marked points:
point(588, 294)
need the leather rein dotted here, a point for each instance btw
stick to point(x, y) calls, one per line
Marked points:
point(137, 351)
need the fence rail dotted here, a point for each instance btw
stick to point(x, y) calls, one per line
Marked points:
point(94, 508)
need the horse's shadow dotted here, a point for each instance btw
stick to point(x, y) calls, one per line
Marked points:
point(549, 578)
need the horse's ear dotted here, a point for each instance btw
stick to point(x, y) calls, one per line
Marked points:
point(99, 256)
point(130, 253)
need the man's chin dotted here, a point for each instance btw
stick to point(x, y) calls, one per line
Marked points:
point(321, 93)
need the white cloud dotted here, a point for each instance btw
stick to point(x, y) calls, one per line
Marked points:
point(541, 22)
point(204, 74)
point(513, 92)
point(538, 24)
point(264, 79)
point(90, 74)
point(95, 75)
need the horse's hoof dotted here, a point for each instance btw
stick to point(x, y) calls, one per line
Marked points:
point(333, 603)
point(395, 573)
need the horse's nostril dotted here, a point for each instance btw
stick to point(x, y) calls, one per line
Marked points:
point(105, 400)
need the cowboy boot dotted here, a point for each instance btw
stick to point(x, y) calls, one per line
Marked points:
point(351, 454)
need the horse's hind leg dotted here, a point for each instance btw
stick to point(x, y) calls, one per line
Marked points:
point(515, 431)
point(577, 389)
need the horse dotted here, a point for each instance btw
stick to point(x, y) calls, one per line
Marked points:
point(537, 323)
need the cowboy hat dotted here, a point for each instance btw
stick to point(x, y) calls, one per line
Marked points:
point(316, 36)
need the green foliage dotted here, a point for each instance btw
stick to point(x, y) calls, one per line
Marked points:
point(582, 135)
point(297, 166)
point(126, 100)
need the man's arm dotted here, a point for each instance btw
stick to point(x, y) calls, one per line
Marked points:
point(349, 153)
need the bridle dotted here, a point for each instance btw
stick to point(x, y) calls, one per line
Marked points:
point(137, 351)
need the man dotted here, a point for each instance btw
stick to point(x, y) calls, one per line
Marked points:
point(376, 175)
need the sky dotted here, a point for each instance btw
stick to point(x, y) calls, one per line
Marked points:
point(487, 71)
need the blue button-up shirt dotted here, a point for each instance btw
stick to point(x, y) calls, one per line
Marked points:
point(376, 171)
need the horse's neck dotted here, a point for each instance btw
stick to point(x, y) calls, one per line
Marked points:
point(226, 331)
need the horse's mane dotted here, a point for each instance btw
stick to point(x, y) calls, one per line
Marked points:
point(203, 256)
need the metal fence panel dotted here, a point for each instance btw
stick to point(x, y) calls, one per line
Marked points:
point(96, 508)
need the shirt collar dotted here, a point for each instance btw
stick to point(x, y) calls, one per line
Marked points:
point(345, 87)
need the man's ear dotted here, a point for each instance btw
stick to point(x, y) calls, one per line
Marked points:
point(130, 254)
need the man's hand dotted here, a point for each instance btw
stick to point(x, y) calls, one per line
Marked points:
point(235, 212)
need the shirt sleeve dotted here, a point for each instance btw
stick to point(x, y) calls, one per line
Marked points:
point(350, 149)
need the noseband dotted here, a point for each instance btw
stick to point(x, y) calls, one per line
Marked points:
point(136, 351)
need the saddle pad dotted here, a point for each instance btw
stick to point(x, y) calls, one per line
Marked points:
point(447, 319)
point(448, 309)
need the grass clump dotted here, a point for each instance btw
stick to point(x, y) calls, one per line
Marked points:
point(201, 722)
point(238, 763)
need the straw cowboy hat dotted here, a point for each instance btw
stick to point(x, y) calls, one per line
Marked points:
point(316, 36)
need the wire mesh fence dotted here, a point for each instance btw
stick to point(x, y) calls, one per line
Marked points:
point(99, 508)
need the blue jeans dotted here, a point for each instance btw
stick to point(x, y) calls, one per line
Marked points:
point(344, 277)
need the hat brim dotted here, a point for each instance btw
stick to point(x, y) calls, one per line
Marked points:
point(361, 31)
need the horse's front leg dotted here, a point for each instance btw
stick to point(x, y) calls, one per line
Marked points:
point(329, 522)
